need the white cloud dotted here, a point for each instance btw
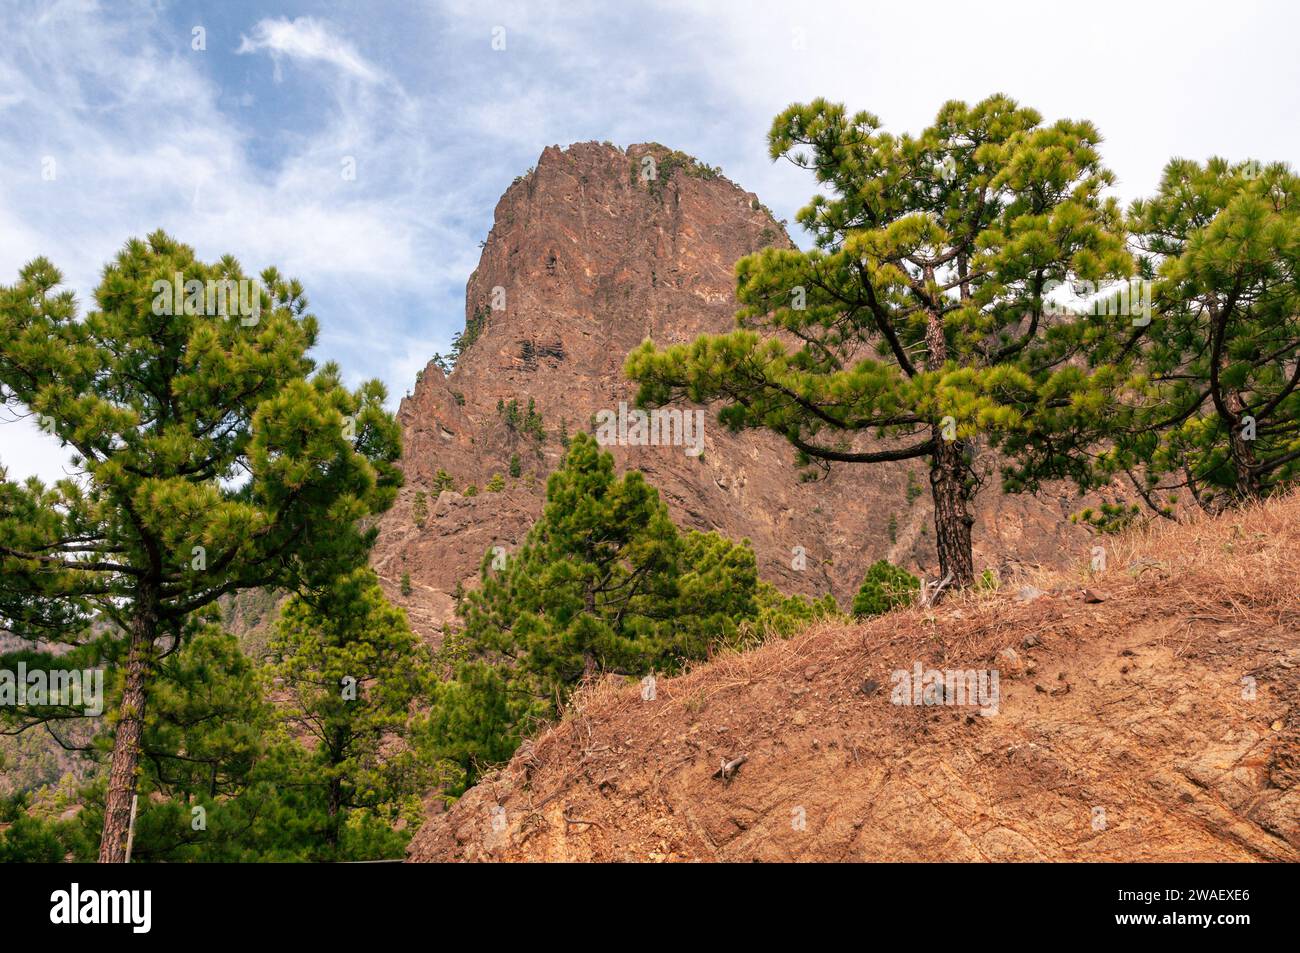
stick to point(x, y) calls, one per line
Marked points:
point(306, 38)
point(1159, 80)
point(26, 451)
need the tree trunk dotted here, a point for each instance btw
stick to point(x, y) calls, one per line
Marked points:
point(948, 484)
point(952, 519)
point(127, 739)
point(1246, 465)
point(335, 812)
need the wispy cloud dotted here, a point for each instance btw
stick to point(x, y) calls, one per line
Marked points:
point(308, 39)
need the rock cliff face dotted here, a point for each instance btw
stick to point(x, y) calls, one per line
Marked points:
point(591, 252)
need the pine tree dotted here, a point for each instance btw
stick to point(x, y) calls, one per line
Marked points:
point(461, 341)
point(918, 315)
point(420, 509)
point(784, 615)
point(1204, 395)
point(509, 412)
point(476, 721)
point(533, 424)
point(1218, 386)
point(352, 668)
point(603, 583)
point(216, 457)
point(218, 775)
point(28, 840)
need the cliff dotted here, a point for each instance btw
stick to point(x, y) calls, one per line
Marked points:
point(589, 255)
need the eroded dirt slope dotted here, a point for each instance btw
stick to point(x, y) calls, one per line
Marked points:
point(1160, 723)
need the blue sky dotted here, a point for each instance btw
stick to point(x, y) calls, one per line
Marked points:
point(229, 124)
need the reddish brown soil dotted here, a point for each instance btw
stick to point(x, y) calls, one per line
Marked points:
point(1126, 730)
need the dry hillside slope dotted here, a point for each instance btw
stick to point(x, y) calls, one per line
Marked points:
point(1160, 723)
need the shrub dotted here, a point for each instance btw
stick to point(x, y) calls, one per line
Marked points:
point(784, 615)
point(885, 587)
point(913, 488)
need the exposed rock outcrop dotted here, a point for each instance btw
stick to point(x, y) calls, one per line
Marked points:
point(587, 258)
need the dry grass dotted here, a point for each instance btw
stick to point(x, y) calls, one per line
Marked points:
point(1239, 569)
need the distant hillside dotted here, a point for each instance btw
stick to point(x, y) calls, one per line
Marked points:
point(1149, 711)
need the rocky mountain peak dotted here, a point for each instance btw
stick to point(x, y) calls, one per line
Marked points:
point(593, 250)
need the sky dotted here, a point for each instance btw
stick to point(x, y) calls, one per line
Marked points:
point(362, 146)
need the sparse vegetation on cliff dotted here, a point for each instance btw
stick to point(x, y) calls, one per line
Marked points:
point(663, 164)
